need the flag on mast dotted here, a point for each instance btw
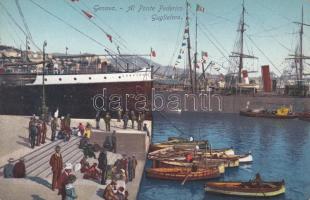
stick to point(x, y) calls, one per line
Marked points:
point(199, 8)
point(88, 14)
point(153, 53)
point(109, 37)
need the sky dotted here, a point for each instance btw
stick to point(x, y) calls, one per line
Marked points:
point(135, 27)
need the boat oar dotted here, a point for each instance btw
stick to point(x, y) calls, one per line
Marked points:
point(186, 177)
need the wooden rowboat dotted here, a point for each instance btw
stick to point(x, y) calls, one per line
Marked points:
point(209, 164)
point(173, 151)
point(267, 115)
point(248, 189)
point(177, 144)
point(180, 174)
point(305, 116)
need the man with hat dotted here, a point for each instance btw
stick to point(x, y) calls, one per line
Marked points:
point(54, 125)
point(33, 134)
point(103, 165)
point(125, 119)
point(8, 169)
point(19, 170)
point(56, 164)
point(107, 120)
point(63, 181)
point(32, 121)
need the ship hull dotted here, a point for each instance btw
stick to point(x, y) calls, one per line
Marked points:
point(76, 99)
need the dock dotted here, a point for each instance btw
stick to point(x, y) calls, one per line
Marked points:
point(14, 144)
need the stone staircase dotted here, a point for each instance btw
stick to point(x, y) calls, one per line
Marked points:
point(37, 162)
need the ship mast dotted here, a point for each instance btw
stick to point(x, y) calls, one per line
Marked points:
point(241, 54)
point(195, 59)
point(241, 41)
point(189, 48)
point(300, 57)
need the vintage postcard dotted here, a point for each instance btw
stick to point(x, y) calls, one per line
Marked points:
point(152, 100)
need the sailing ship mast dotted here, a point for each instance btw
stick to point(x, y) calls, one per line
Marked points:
point(241, 54)
point(300, 58)
point(189, 49)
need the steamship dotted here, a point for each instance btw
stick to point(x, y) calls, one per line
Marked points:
point(22, 93)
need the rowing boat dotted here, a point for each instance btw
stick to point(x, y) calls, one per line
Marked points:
point(267, 115)
point(179, 173)
point(305, 116)
point(178, 144)
point(201, 164)
point(246, 158)
point(248, 189)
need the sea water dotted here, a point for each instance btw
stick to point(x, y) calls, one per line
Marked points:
point(280, 149)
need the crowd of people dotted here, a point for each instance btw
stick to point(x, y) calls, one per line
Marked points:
point(37, 131)
point(124, 116)
point(120, 173)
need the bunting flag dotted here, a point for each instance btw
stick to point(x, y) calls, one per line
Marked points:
point(75, 0)
point(109, 37)
point(179, 57)
point(88, 14)
point(200, 8)
point(153, 53)
point(183, 44)
point(186, 30)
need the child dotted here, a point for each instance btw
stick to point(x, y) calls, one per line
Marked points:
point(70, 190)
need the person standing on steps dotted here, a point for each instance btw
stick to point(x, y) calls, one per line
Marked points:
point(119, 114)
point(133, 119)
point(103, 165)
point(125, 119)
point(63, 180)
point(107, 120)
point(44, 130)
point(139, 121)
point(33, 134)
point(56, 164)
point(54, 125)
point(39, 133)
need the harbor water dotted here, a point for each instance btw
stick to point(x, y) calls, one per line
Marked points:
point(280, 149)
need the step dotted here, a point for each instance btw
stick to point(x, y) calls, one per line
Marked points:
point(44, 159)
point(48, 151)
point(73, 160)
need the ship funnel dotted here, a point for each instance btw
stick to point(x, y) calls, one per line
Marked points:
point(266, 78)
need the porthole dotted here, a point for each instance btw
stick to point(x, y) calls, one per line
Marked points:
point(105, 77)
point(74, 78)
point(89, 78)
point(45, 79)
point(59, 79)
point(119, 77)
